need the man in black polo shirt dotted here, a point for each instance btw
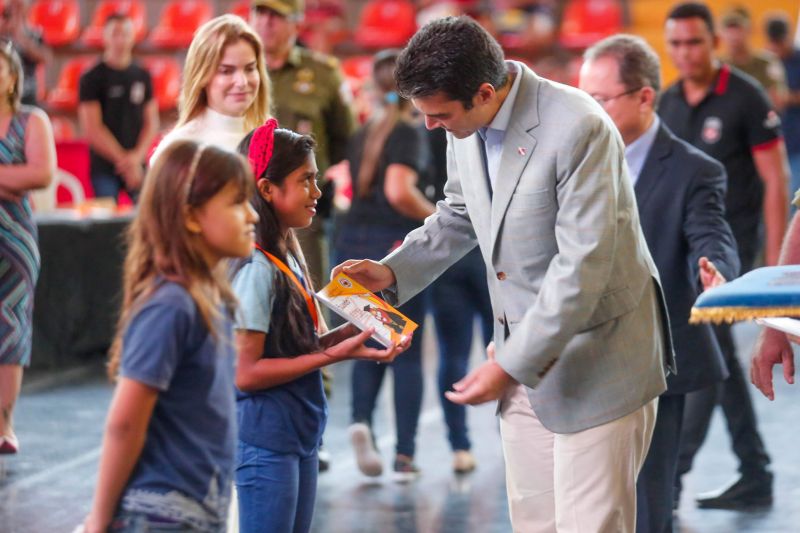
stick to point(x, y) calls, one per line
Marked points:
point(724, 113)
point(118, 113)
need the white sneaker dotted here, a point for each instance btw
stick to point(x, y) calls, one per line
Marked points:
point(463, 462)
point(367, 457)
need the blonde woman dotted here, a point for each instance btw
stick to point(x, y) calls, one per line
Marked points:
point(225, 91)
point(27, 162)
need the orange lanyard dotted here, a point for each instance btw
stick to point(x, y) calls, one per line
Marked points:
point(312, 307)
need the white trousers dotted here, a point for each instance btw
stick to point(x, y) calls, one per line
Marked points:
point(581, 482)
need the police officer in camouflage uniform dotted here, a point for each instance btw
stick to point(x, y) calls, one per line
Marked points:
point(310, 97)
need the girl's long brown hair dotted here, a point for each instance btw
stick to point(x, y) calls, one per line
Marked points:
point(202, 61)
point(381, 125)
point(161, 248)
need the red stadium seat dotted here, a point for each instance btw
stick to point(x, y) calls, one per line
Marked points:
point(357, 67)
point(59, 20)
point(324, 25)
point(166, 75)
point(93, 35)
point(386, 23)
point(242, 9)
point(64, 96)
point(179, 20)
point(587, 21)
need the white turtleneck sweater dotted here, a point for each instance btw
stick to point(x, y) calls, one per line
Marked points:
point(209, 127)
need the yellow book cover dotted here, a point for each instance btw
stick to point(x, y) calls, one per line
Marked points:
point(353, 302)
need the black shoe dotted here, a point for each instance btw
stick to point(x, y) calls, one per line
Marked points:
point(677, 488)
point(746, 492)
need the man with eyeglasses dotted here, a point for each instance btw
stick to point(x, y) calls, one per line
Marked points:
point(680, 193)
point(728, 116)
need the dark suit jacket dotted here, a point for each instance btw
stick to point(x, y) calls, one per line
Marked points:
point(681, 197)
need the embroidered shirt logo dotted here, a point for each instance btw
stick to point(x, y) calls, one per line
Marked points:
point(137, 93)
point(772, 121)
point(712, 130)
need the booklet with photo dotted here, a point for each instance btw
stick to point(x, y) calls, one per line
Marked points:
point(357, 305)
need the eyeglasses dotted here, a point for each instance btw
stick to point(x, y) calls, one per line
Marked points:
point(603, 100)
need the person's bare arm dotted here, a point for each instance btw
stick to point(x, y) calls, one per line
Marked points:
point(40, 154)
point(149, 130)
point(123, 442)
point(254, 372)
point(15, 28)
point(31, 48)
point(9, 195)
point(130, 166)
point(400, 188)
point(772, 347)
point(100, 138)
point(773, 167)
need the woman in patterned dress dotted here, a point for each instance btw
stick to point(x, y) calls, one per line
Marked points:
point(27, 161)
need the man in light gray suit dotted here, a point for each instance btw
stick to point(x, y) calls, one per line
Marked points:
point(537, 180)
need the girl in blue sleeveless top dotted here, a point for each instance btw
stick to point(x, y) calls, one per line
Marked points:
point(27, 161)
point(168, 450)
point(282, 343)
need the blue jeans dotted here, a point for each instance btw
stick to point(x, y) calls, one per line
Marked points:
point(407, 371)
point(109, 186)
point(371, 242)
point(460, 294)
point(276, 491)
point(127, 522)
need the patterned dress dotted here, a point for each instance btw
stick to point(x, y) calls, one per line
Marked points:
point(19, 257)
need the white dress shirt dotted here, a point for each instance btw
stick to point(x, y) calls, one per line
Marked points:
point(494, 134)
point(636, 152)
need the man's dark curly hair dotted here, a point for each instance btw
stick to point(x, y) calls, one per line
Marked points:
point(453, 56)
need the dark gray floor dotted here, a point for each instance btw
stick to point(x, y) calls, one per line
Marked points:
point(48, 487)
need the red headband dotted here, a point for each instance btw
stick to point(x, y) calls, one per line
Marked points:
point(261, 145)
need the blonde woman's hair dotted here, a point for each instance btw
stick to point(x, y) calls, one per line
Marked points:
point(202, 61)
point(11, 56)
point(161, 248)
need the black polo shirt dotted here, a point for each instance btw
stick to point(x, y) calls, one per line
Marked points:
point(729, 124)
point(123, 95)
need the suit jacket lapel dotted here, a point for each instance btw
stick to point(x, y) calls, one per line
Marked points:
point(475, 155)
point(518, 147)
point(478, 188)
point(653, 169)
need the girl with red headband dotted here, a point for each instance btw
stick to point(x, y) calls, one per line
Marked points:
point(282, 342)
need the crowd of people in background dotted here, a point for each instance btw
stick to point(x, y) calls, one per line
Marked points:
point(706, 166)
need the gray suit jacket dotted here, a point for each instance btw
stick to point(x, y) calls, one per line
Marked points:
point(573, 287)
